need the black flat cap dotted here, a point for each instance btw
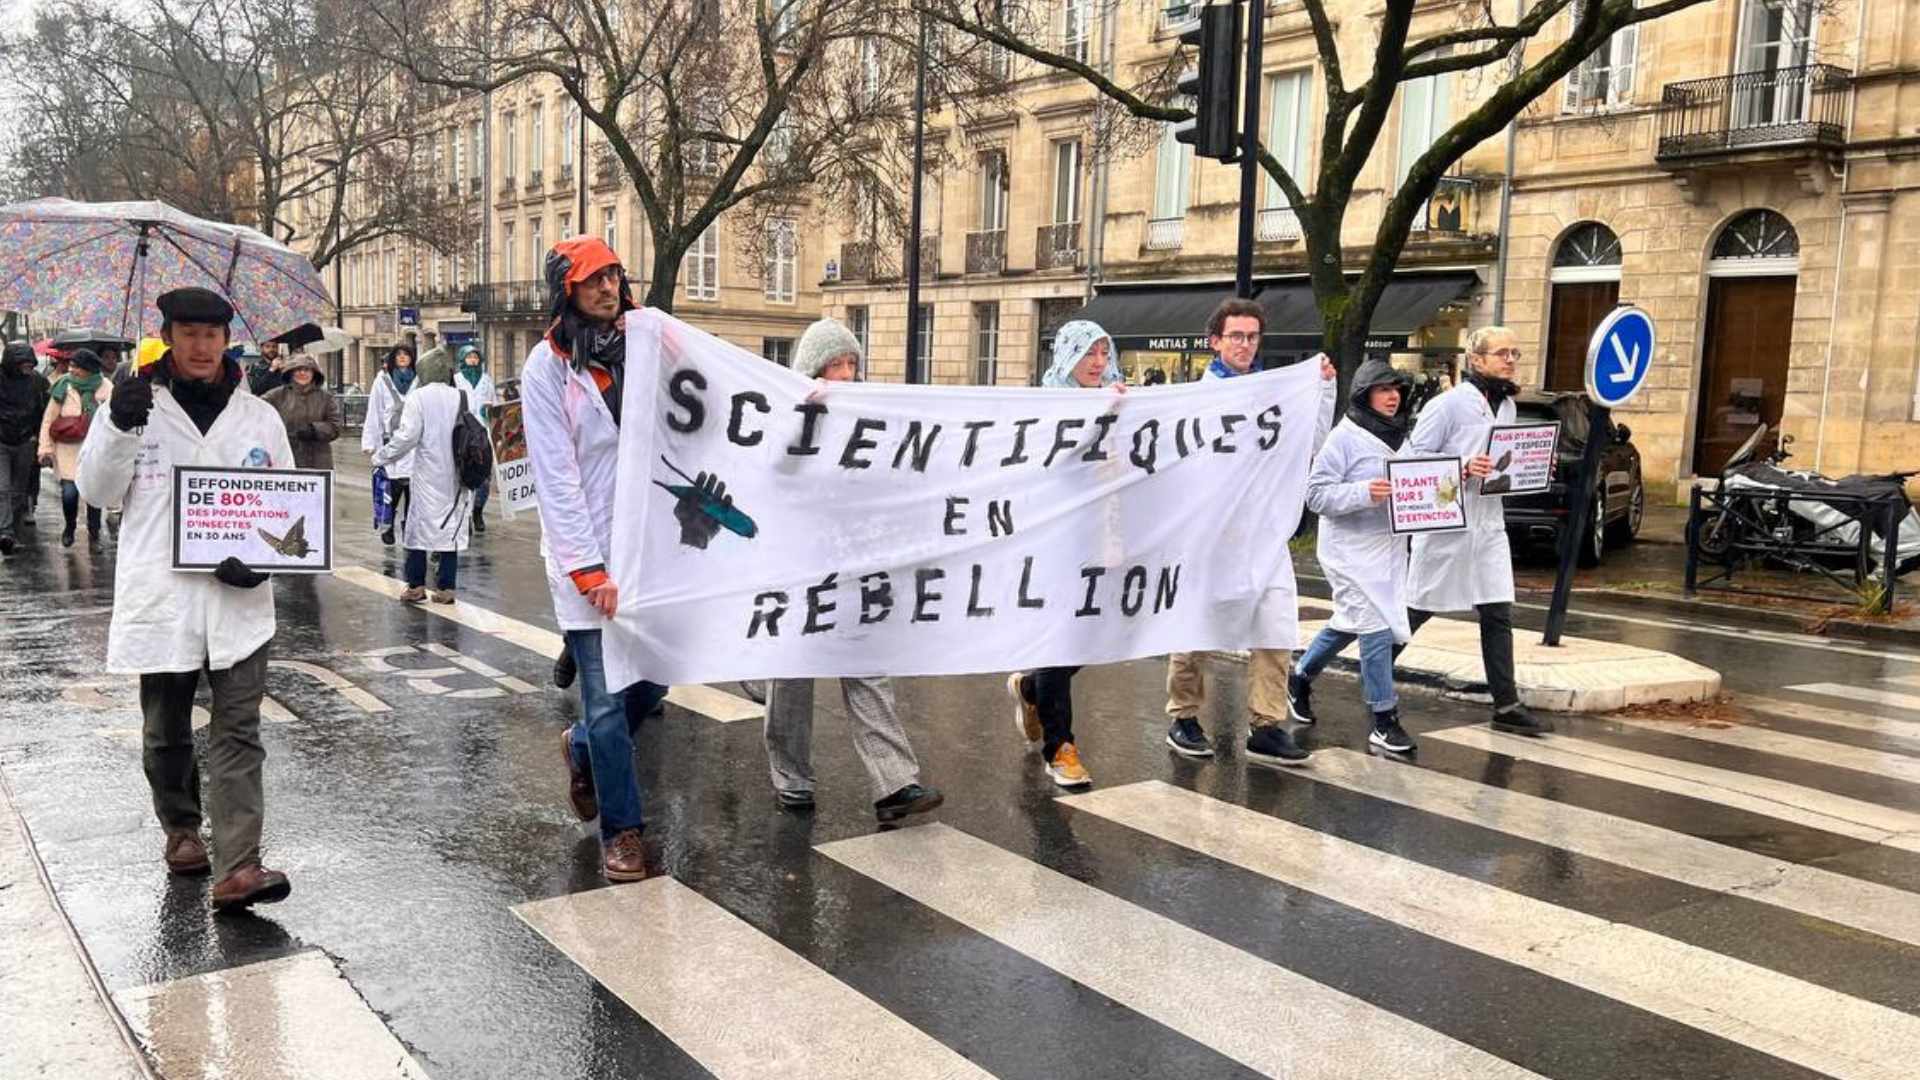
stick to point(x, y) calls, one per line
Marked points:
point(195, 305)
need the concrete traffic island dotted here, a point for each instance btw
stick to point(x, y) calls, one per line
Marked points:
point(1582, 675)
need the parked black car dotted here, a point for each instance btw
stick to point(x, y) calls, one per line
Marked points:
point(1620, 503)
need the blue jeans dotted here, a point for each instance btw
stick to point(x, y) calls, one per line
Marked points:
point(1376, 663)
point(445, 572)
point(603, 738)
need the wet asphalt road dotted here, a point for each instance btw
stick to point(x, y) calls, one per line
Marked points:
point(411, 835)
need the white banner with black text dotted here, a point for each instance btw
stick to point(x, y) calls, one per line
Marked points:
point(768, 525)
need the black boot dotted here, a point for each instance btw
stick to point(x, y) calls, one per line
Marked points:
point(1518, 721)
point(387, 536)
point(66, 537)
point(479, 523)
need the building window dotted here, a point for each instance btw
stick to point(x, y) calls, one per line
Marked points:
point(1426, 111)
point(609, 229)
point(537, 247)
point(536, 142)
point(1172, 176)
point(1585, 286)
point(924, 330)
point(459, 140)
point(1289, 126)
point(781, 258)
point(507, 125)
point(986, 344)
point(1757, 234)
point(857, 321)
point(569, 133)
point(476, 140)
point(507, 260)
point(701, 266)
point(993, 190)
point(566, 226)
point(1076, 28)
point(1606, 77)
point(778, 349)
point(870, 69)
point(1066, 181)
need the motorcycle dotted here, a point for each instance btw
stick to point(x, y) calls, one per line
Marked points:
point(1761, 512)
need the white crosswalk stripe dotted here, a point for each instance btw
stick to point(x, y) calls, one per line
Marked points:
point(1807, 806)
point(1789, 1018)
point(1852, 718)
point(1864, 694)
point(1787, 744)
point(1203, 988)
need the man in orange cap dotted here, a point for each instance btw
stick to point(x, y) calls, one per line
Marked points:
point(570, 399)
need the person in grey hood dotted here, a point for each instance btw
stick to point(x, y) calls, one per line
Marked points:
point(1365, 562)
point(23, 402)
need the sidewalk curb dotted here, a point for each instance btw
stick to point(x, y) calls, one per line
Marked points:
point(1838, 629)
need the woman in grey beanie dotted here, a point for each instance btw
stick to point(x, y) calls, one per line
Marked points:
point(828, 351)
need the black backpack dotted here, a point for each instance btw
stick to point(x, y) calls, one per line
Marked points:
point(472, 449)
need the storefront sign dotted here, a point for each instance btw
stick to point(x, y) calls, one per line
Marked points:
point(1523, 456)
point(1426, 494)
point(274, 520)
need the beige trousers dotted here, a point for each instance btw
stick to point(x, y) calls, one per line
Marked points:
point(1267, 671)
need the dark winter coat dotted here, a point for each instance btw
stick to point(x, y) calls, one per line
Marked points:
point(312, 417)
point(23, 403)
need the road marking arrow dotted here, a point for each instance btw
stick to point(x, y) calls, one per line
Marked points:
point(1629, 365)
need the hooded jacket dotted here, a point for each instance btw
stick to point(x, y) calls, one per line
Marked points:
point(439, 515)
point(23, 396)
point(474, 381)
point(312, 415)
point(1365, 563)
point(1071, 343)
point(383, 412)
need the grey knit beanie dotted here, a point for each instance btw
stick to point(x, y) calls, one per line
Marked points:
point(822, 342)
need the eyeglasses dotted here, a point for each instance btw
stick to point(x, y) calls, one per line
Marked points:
point(1241, 338)
point(1505, 354)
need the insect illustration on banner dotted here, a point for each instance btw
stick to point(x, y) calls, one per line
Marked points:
point(293, 545)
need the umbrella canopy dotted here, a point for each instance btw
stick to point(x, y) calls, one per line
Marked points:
point(104, 265)
point(332, 340)
point(87, 338)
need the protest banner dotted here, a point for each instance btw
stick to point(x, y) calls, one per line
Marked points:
point(1426, 494)
point(766, 525)
point(513, 487)
point(274, 520)
point(1522, 456)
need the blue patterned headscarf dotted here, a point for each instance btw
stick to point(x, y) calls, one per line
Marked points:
point(1071, 345)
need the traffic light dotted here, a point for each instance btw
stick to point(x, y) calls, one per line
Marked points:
point(1212, 89)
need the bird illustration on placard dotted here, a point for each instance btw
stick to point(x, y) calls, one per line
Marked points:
point(293, 545)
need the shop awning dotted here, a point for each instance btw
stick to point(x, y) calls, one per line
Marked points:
point(1173, 318)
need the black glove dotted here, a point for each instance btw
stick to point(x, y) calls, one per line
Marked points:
point(304, 433)
point(232, 571)
point(132, 401)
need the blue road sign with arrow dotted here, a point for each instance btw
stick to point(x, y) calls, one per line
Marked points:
point(1619, 357)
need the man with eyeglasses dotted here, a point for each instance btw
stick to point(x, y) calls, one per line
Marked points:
point(1472, 570)
point(1234, 333)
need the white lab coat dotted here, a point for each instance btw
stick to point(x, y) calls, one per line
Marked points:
point(382, 404)
point(165, 620)
point(1364, 561)
point(574, 445)
point(438, 517)
point(1455, 571)
point(479, 395)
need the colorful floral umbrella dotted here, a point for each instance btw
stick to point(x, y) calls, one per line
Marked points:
point(104, 264)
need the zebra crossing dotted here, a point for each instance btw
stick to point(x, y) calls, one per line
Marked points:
point(1253, 930)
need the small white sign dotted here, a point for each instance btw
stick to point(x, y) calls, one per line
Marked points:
point(1427, 494)
point(274, 520)
point(1523, 457)
point(512, 468)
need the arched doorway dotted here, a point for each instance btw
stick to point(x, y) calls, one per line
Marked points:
point(1752, 277)
point(1585, 286)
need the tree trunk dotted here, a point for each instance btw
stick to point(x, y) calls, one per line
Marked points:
point(664, 281)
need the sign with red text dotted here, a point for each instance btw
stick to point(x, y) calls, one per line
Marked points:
point(1426, 494)
point(275, 520)
point(769, 526)
point(1522, 456)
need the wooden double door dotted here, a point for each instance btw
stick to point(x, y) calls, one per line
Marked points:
point(1743, 368)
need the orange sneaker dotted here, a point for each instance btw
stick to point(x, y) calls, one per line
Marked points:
point(1065, 769)
point(1026, 717)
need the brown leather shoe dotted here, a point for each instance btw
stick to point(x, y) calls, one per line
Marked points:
point(186, 853)
point(251, 884)
point(586, 805)
point(626, 857)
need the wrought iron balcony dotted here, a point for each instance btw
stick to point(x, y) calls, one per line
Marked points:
point(534, 181)
point(565, 179)
point(473, 185)
point(1796, 107)
point(929, 255)
point(987, 252)
point(1057, 247)
point(1276, 224)
point(508, 184)
point(856, 262)
point(506, 299)
point(1166, 234)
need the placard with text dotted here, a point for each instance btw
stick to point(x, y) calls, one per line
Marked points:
point(275, 520)
point(1426, 494)
point(512, 469)
point(1522, 456)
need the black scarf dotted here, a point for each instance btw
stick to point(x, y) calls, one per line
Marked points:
point(1391, 430)
point(584, 342)
point(203, 402)
point(1496, 390)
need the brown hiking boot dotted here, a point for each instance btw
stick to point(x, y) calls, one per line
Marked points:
point(626, 857)
point(251, 884)
point(586, 805)
point(442, 596)
point(413, 594)
point(186, 853)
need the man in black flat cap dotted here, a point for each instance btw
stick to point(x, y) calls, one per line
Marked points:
point(170, 627)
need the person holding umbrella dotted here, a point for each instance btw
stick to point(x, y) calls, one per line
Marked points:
point(169, 627)
point(23, 402)
point(63, 427)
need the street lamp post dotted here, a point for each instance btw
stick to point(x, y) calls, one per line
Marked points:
point(914, 374)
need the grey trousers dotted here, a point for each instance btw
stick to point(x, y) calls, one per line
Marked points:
point(877, 735)
point(17, 480)
point(234, 756)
